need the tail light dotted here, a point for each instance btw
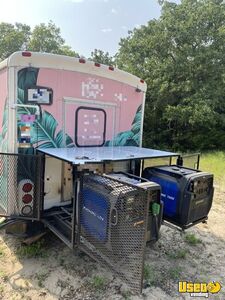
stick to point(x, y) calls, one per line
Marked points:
point(27, 198)
point(26, 210)
point(27, 187)
point(26, 53)
point(82, 60)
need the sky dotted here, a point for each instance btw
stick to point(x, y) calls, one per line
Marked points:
point(85, 24)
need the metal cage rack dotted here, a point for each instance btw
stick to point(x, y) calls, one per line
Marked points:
point(108, 217)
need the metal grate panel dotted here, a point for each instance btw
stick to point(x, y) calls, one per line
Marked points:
point(20, 185)
point(113, 221)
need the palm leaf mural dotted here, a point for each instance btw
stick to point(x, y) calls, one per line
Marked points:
point(136, 124)
point(130, 137)
point(44, 129)
point(27, 77)
point(3, 135)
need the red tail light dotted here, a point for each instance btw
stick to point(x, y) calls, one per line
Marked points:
point(27, 187)
point(26, 53)
point(82, 61)
point(27, 198)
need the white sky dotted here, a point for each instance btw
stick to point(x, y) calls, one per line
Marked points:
point(84, 24)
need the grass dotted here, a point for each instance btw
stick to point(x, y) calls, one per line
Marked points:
point(34, 250)
point(191, 239)
point(41, 277)
point(98, 283)
point(149, 274)
point(4, 276)
point(179, 254)
point(175, 273)
point(126, 295)
point(214, 162)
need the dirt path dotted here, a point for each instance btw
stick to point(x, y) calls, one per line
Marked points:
point(57, 273)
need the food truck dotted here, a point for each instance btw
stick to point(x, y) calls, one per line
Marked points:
point(72, 160)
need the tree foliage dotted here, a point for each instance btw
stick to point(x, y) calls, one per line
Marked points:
point(182, 58)
point(13, 38)
point(43, 38)
point(47, 38)
point(102, 57)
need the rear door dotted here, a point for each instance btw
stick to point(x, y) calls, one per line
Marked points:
point(89, 123)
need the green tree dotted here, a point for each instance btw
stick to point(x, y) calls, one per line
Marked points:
point(102, 57)
point(182, 58)
point(47, 38)
point(67, 50)
point(13, 38)
point(44, 38)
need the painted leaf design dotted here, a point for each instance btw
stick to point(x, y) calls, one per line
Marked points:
point(132, 142)
point(68, 141)
point(121, 139)
point(23, 110)
point(44, 129)
point(137, 137)
point(27, 77)
point(136, 127)
point(4, 121)
point(59, 138)
point(130, 137)
point(136, 124)
point(3, 134)
point(138, 115)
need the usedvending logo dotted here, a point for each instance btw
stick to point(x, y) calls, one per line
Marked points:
point(199, 289)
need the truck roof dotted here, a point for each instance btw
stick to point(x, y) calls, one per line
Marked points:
point(61, 62)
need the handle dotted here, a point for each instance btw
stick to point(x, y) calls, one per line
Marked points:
point(114, 215)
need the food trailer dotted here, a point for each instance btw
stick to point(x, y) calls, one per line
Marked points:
point(71, 159)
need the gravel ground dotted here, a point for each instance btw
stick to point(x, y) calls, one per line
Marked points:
point(50, 270)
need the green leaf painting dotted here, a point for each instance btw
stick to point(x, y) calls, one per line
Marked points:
point(130, 137)
point(45, 131)
point(3, 134)
point(45, 127)
point(27, 77)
